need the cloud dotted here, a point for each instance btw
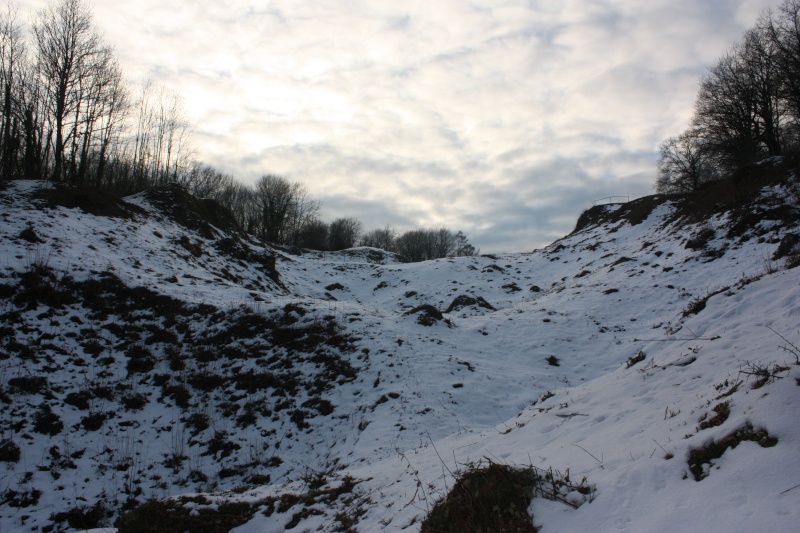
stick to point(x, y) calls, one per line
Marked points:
point(503, 119)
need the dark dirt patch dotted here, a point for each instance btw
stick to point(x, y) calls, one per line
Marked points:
point(89, 200)
point(463, 300)
point(9, 451)
point(199, 215)
point(197, 514)
point(635, 212)
point(29, 235)
point(175, 515)
point(737, 194)
point(789, 248)
point(699, 303)
point(722, 412)
point(427, 315)
point(84, 516)
point(700, 239)
point(237, 248)
point(28, 385)
point(511, 287)
point(699, 457)
point(638, 358)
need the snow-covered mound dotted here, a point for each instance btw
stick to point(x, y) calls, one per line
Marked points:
point(149, 350)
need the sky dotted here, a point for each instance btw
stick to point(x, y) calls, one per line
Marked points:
point(504, 119)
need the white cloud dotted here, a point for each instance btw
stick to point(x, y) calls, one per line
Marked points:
point(502, 118)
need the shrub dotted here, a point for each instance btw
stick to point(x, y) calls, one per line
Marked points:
point(29, 235)
point(219, 446)
point(140, 360)
point(46, 422)
point(20, 499)
point(79, 399)
point(9, 451)
point(28, 384)
point(764, 374)
point(84, 516)
point(134, 402)
point(93, 421)
point(198, 422)
point(489, 499)
point(175, 515)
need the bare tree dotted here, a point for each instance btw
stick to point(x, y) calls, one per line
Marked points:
point(380, 238)
point(463, 246)
point(414, 246)
point(683, 165)
point(738, 111)
point(160, 148)
point(783, 28)
point(343, 233)
point(302, 213)
point(426, 244)
point(314, 235)
point(240, 200)
point(204, 181)
point(12, 54)
point(275, 197)
point(68, 49)
point(36, 138)
point(115, 107)
point(760, 55)
point(724, 113)
point(443, 242)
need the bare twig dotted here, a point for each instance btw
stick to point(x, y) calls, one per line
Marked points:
point(787, 490)
point(599, 461)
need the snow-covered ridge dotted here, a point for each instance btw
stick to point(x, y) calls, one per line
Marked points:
point(271, 370)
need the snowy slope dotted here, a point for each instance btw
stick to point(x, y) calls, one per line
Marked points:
point(398, 406)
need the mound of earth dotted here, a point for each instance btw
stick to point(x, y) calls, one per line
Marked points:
point(462, 301)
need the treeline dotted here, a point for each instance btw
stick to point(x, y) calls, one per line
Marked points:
point(747, 108)
point(280, 211)
point(69, 115)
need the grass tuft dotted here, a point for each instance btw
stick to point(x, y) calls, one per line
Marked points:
point(493, 499)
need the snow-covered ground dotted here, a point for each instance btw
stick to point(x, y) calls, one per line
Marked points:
point(544, 375)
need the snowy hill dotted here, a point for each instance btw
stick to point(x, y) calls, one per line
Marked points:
point(148, 350)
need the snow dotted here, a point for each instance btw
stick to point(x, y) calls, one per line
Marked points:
point(430, 400)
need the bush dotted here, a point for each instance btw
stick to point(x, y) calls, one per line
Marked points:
point(9, 451)
point(140, 360)
point(134, 402)
point(85, 517)
point(175, 515)
point(46, 422)
point(490, 499)
point(28, 384)
point(93, 421)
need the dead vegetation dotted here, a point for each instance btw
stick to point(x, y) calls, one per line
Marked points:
point(702, 459)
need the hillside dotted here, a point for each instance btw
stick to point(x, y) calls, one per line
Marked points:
point(149, 350)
